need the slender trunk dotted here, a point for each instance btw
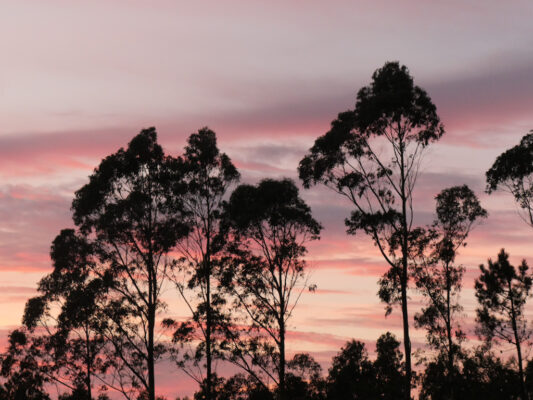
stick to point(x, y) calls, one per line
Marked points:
point(89, 389)
point(521, 371)
point(88, 361)
point(518, 347)
point(151, 327)
point(209, 322)
point(151, 369)
point(406, 339)
point(152, 308)
point(282, 362)
point(88, 383)
point(208, 350)
point(449, 331)
point(404, 278)
point(281, 322)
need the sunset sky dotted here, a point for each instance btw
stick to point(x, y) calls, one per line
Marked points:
point(78, 79)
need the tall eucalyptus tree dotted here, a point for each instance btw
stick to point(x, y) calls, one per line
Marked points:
point(207, 174)
point(131, 210)
point(270, 225)
point(67, 319)
point(439, 278)
point(371, 156)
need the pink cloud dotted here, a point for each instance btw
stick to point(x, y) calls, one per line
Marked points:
point(31, 217)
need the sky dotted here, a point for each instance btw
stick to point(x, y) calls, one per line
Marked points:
point(78, 79)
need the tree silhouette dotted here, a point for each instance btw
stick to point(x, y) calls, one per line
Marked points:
point(483, 375)
point(304, 379)
point(207, 174)
point(237, 387)
point(502, 292)
point(392, 114)
point(513, 171)
point(25, 377)
point(439, 278)
point(388, 368)
point(270, 225)
point(351, 374)
point(354, 376)
point(131, 210)
point(67, 310)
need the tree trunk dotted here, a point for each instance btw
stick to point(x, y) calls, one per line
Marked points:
point(151, 367)
point(518, 347)
point(209, 373)
point(406, 339)
point(209, 322)
point(449, 332)
point(404, 277)
point(88, 359)
point(521, 371)
point(282, 362)
point(152, 285)
point(281, 322)
point(89, 389)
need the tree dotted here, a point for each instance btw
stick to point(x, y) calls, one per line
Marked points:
point(513, 171)
point(208, 174)
point(237, 387)
point(438, 277)
point(371, 156)
point(304, 378)
point(354, 376)
point(482, 376)
point(67, 310)
point(502, 292)
point(270, 225)
point(25, 377)
point(131, 211)
point(388, 368)
point(351, 375)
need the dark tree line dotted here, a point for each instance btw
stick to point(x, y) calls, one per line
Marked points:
point(148, 222)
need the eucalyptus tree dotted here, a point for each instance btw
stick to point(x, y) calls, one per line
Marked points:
point(24, 377)
point(513, 171)
point(354, 376)
point(304, 378)
point(270, 225)
point(67, 313)
point(502, 291)
point(371, 156)
point(483, 376)
point(131, 211)
point(351, 375)
point(388, 368)
point(437, 275)
point(207, 174)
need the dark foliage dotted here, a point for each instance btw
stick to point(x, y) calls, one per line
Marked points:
point(391, 111)
point(270, 225)
point(502, 291)
point(207, 174)
point(354, 376)
point(439, 278)
point(513, 171)
point(481, 375)
point(25, 377)
point(132, 212)
point(68, 310)
point(238, 387)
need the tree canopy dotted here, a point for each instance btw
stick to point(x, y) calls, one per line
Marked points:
point(395, 114)
point(132, 212)
point(513, 171)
